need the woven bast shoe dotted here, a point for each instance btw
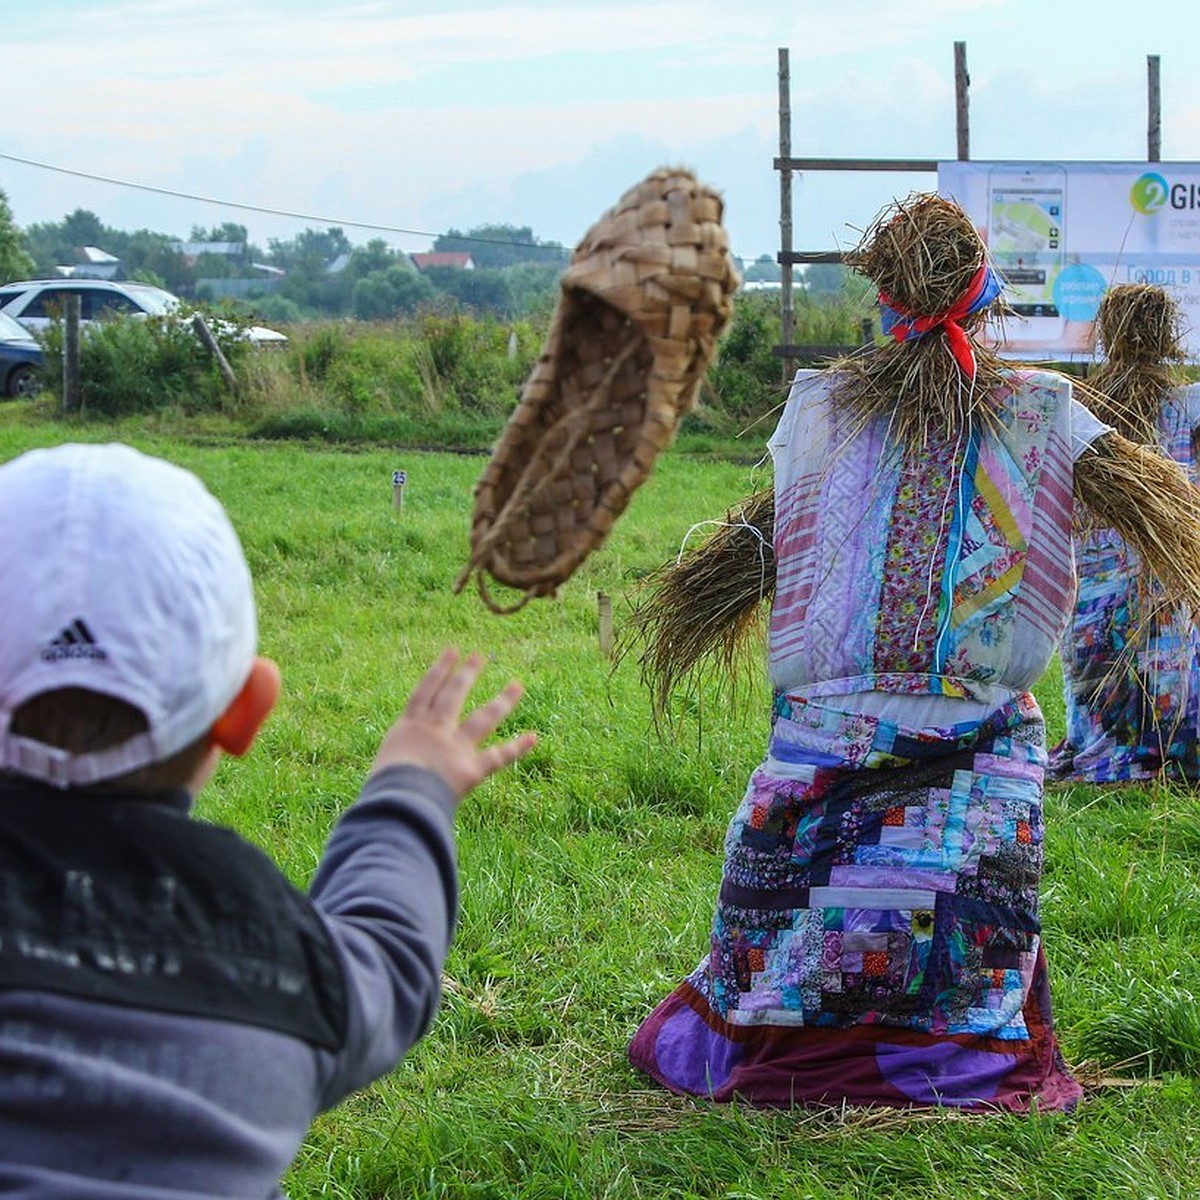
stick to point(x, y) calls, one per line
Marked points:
point(642, 303)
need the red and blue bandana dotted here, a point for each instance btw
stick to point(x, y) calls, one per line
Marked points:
point(984, 287)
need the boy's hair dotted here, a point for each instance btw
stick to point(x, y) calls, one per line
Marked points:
point(83, 722)
point(120, 577)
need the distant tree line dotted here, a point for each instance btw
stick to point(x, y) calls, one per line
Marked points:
point(319, 273)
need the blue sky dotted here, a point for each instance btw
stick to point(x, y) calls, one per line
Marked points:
point(423, 116)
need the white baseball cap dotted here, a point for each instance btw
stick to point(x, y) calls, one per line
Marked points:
point(119, 573)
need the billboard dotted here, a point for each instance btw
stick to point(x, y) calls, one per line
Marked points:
point(1061, 233)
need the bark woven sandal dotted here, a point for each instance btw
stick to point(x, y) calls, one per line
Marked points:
point(642, 302)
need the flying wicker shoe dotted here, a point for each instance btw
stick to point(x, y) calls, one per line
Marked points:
point(641, 305)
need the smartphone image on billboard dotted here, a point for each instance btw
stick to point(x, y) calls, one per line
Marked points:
point(1026, 228)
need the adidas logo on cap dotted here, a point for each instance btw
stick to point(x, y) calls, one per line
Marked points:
point(75, 641)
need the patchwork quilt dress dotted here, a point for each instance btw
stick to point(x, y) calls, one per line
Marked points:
point(1132, 707)
point(876, 938)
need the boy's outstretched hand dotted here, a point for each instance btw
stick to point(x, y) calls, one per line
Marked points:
point(431, 731)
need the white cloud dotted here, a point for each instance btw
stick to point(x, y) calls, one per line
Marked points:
point(421, 115)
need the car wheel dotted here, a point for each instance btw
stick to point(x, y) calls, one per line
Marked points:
point(23, 382)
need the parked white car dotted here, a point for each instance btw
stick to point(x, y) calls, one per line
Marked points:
point(36, 303)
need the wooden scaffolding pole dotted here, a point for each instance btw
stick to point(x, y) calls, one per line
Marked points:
point(785, 214)
point(962, 84)
point(1154, 110)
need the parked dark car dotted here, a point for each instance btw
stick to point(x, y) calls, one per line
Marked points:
point(20, 359)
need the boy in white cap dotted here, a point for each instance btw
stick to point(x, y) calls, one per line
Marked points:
point(173, 1012)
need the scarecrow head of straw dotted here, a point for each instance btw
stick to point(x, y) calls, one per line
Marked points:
point(923, 254)
point(1139, 323)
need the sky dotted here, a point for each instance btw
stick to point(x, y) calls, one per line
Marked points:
point(402, 119)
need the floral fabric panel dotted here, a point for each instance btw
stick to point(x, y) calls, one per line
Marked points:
point(920, 565)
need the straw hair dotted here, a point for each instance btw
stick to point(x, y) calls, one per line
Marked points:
point(1140, 330)
point(646, 295)
point(922, 253)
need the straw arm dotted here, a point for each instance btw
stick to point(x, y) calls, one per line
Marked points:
point(1149, 500)
point(702, 609)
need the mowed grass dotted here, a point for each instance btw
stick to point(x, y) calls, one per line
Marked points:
point(589, 873)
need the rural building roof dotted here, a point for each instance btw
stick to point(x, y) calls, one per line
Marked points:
point(443, 258)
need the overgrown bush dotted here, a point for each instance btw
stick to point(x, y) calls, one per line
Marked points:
point(133, 365)
point(480, 361)
point(435, 379)
point(746, 381)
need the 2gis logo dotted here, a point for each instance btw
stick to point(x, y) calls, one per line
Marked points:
point(1149, 193)
point(1152, 191)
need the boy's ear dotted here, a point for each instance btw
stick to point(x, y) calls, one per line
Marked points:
point(235, 729)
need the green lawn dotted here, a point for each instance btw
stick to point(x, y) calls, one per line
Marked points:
point(590, 870)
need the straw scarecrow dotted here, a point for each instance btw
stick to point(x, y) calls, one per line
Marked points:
point(876, 937)
point(706, 609)
point(1131, 667)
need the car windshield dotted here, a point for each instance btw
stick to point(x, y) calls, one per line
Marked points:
point(154, 300)
point(12, 330)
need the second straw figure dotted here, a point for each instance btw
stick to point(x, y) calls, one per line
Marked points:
point(876, 936)
point(1131, 668)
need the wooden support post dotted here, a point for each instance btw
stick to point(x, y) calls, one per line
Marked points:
point(604, 609)
point(1154, 111)
point(399, 479)
point(72, 391)
point(210, 343)
point(962, 83)
point(786, 321)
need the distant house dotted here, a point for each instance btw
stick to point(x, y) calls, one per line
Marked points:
point(263, 279)
point(246, 278)
point(458, 259)
point(92, 263)
point(236, 251)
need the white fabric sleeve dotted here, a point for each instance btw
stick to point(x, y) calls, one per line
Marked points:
point(1085, 428)
point(1189, 398)
point(799, 399)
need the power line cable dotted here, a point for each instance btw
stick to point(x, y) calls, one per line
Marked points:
point(275, 212)
point(278, 212)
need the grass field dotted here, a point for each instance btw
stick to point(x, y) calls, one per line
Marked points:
point(590, 870)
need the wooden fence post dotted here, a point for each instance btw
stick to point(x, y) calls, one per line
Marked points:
point(1154, 113)
point(72, 393)
point(604, 608)
point(206, 336)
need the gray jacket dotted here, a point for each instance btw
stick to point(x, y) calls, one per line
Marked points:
point(173, 1013)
